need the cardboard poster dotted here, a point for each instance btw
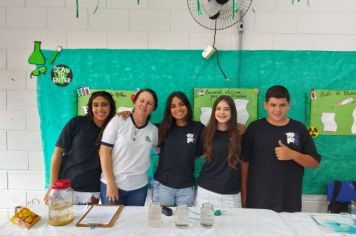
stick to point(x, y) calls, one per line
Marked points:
point(333, 112)
point(122, 99)
point(245, 102)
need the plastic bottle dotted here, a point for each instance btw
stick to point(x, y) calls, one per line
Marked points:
point(207, 215)
point(60, 203)
point(353, 211)
point(154, 215)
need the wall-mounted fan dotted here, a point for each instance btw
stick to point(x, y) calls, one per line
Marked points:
point(218, 14)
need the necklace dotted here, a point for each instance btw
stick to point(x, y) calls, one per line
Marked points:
point(134, 134)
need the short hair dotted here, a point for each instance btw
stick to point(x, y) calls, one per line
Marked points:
point(277, 91)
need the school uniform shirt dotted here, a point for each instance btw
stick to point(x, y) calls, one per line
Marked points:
point(131, 147)
point(177, 156)
point(274, 184)
point(80, 160)
point(217, 176)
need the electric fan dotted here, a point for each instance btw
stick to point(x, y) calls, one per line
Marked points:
point(218, 14)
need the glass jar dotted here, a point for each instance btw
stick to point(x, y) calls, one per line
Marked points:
point(60, 203)
point(207, 215)
point(181, 216)
point(154, 217)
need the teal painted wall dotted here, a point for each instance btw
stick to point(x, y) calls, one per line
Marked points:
point(169, 70)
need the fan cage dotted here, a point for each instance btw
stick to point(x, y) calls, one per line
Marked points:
point(209, 9)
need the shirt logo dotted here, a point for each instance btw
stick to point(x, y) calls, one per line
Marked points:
point(292, 138)
point(190, 138)
point(148, 139)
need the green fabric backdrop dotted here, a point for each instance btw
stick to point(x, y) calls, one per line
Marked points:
point(169, 70)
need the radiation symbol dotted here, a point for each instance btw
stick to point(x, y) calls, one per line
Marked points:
point(313, 131)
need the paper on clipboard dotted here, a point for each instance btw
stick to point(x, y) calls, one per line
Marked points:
point(100, 215)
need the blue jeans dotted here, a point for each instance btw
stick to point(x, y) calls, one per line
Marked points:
point(174, 196)
point(135, 197)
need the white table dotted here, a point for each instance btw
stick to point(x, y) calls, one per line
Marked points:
point(133, 221)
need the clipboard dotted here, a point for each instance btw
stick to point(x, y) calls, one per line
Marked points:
point(99, 215)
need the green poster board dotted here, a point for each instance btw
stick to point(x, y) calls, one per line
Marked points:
point(122, 100)
point(245, 101)
point(333, 112)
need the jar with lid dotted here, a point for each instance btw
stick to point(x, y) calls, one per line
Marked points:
point(181, 216)
point(207, 215)
point(60, 203)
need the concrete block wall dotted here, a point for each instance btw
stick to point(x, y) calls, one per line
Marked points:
point(122, 24)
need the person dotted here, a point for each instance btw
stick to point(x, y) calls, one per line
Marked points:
point(75, 156)
point(276, 149)
point(180, 144)
point(125, 153)
point(219, 180)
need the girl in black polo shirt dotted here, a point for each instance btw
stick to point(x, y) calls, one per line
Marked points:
point(219, 180)
point(76, 156)
point(180, 144)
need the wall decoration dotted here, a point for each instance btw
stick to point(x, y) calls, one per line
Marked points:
point(122, 100)
point(37, 72)
point(83, 91)
point(333, 112)
point(245, 102)
point(36, 57)
point(61, 75)
point(55, 54)
point(299, 71)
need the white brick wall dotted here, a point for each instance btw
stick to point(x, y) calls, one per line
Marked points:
point(162, 24)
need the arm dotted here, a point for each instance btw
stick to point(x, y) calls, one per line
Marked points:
point(112, 192)
point(284, 153)
point(244, 176)
point(55, 166)
point(124, 114)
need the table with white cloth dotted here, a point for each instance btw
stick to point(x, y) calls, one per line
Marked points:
point(133, 221)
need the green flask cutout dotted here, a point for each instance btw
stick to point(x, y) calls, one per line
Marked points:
point(37, 57)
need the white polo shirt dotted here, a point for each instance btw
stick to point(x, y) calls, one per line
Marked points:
point(131, 151)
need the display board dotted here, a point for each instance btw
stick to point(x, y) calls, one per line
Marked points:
point(245, 102)
point(122, 100)
point(166, 71)
point(333, 112)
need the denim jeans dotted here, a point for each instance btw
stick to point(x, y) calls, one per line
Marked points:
point(135, 197)
point(173, 196)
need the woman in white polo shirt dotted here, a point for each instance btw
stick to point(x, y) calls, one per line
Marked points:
point(125, 153)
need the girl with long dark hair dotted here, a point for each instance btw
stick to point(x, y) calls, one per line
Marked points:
point(76, 156)
point(179, 142)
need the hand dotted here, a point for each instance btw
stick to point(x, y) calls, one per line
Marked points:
point(45, 198)
point(283, 152)
point(124, 114)
point(112, 192)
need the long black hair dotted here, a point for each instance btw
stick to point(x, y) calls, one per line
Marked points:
point(168, 121)
point(107, 96)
